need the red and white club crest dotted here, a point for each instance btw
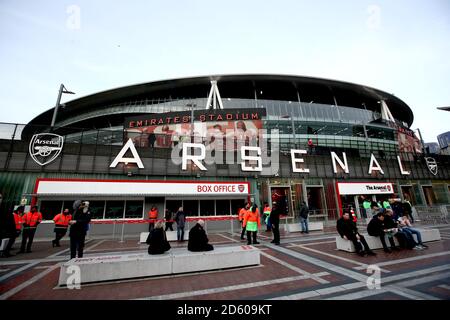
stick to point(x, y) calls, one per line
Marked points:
point(241, 188)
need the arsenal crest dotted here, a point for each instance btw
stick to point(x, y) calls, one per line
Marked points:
point(241, 188)
point(432, 165)
point(45, 147)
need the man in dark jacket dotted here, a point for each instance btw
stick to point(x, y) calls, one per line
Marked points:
point(407, 208)
point(404, 239)
point(168, 217)
point(78, 228)
point(275, 221)
point(377, 228)
point(8, 231)
point(180, 219)
point(198, 241)
point(347, 230)
point(304, 210)
point(157, 240)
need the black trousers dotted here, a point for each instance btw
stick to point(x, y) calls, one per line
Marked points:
point(383, 241)
point(243, 230)
point(249, 237)
point(276, 231)
point(169, 226)
point(27, 235)
point(77, 245)
point(357, 244)
point(151, 226)
point(59, 234)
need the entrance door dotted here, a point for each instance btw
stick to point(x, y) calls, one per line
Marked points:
point(408, 193)
point(430, 197)
point(315, 200)
point(281, 195)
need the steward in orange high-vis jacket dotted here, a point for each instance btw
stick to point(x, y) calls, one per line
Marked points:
point(242, 213)
point(30, 222)
point(152, 216)
point(252, 222)
point(61, 225)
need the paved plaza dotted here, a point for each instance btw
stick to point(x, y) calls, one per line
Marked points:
point(302, 267)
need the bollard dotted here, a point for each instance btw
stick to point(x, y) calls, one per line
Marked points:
point(231, 226)
point(121, 237)
point(114, 230)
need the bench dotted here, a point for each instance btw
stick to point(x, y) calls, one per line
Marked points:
point(312, 226)
point(176, 261)
point(375, 242)
point(171, 236)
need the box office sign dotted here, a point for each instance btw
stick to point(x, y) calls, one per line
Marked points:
point(354, 188)
point(141, 187)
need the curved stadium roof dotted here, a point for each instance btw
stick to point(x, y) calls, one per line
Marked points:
point(244, 86)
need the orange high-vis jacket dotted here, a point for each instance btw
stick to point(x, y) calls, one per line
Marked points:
point(32, 219)
point(242, 213)
point(17, 221)
point(252, 217)
point(62, 220)
point(153, 214)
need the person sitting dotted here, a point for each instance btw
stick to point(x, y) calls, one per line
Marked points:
point(198, 241)
point(406, 227)
point(404, 239)
point(157, 239)
point(347, 230)
point(377, 228)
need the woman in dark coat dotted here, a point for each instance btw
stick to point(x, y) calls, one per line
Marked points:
point(157, 240)
point(198, 241)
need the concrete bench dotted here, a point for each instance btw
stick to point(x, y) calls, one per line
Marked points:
point(176, 261)
point(171, 236)
point(375, 242)
point(312, 226)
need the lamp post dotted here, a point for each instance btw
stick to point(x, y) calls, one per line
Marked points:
point(62, 90)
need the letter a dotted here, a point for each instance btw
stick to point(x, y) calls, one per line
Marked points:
point(119, 158)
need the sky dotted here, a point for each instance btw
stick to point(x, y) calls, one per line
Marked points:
point(401, 47)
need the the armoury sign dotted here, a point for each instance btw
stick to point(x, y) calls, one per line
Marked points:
point(45, 147)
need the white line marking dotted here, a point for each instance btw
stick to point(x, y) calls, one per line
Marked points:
point(361, 265)
point(227, 288)
point(95, 245)
point(296, 269)
point(399, 261)
point(25, 284)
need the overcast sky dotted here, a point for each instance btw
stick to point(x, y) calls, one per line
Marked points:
point(401, 47)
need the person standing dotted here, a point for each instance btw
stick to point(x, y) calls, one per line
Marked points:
point(304, 210)
point(275, 222)
point(242, 213)
point(152, 216)
point(266, 214)
point(30, 222)
point(347, 230)
point(168, 217)
point(252, 224)
point(61, 225)
point(10, 229)
point(78, 228)
point(407, 208)
point(180, 219)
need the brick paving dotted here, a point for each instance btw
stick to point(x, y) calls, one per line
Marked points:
point(303, 267)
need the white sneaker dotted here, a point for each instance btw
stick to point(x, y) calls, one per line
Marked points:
point(417, 248)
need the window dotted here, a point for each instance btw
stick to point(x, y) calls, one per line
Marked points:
point(173, 205)
point(222, 207)
point(134, 209)
point(190, 207)
point(49, 209)
point(206, 207)
point(114, 209)
point(236, 205)
point(96, 208)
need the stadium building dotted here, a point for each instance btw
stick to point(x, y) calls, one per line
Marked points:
point(265, 138)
